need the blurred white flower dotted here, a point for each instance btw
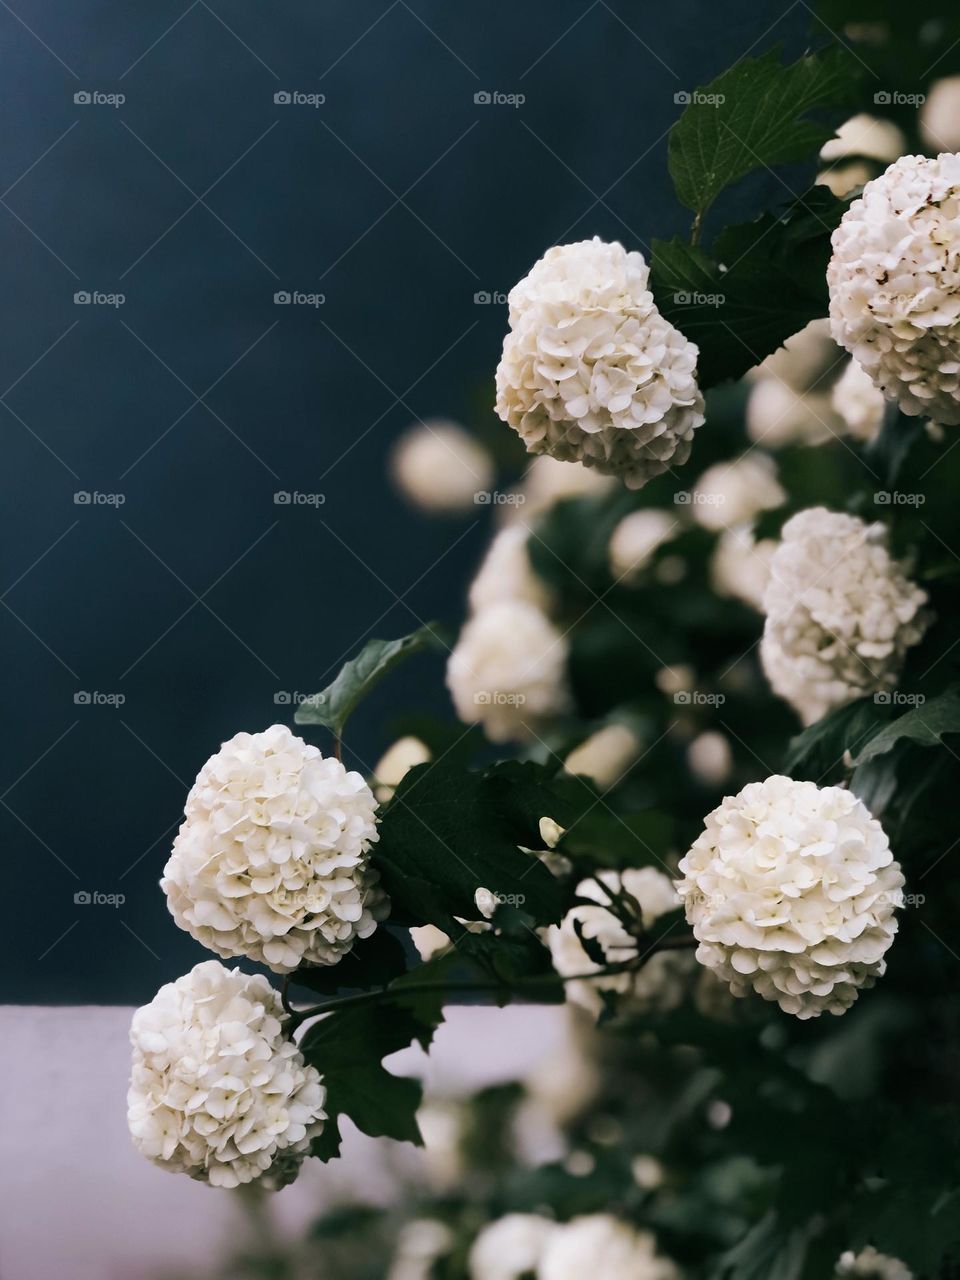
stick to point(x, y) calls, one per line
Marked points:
point(508, 671)
point(216, 1089)
point(591, 371)
point(440, 467)
point(791, 891)
point(710, 759)
point(605, 756)
point(272, 859)
point(675, 679)
point(647, 1172)
point(440, 1122)
point(510, 1248)
point(603, 1246)
point(395, 763)
point(429, 940)
point(841, 614)
point(636, 538)
point(420, 1244)
point(841, 179)
point(940, 115)
point(507, 574)
point(870, 1265)
point(661, 981)
point(548, 481)
point(894, 300)
point(740, 566)
point(858, 402)
point(790, 399)
point(865, 136)
point(734, 493)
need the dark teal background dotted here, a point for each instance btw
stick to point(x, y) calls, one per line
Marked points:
point(398, 199)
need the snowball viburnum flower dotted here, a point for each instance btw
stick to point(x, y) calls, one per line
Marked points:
point(272, 859)
point(841, 614)
point(870, 1265)
point(602, 1245)
point(591, 371)
point(740, 566)
point(636, 538)
point(508, 671)
point(606, 756)
point(511, 1247)
point(507, 573)
point(660, 983)
point(440, 467)
point(733, 493)
point(894, 286)
point(858, 402)
point(217, 1091)
point(791, 891)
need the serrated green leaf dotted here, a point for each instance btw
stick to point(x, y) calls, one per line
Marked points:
point(371, 962)
point(755, 115)
point(333, 705)
point(819, 750)
point(924, 725)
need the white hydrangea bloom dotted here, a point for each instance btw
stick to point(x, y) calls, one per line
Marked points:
point(710, 758)
point(779, 415)
point(591, 371)
point(602, 1245)
point(271, 861)
point(940, 115)
point(508, 671)
point(605, 756)
point(548, 481)
point(867, 136)
point(510, 1247)
point(871, 1265)
point(894, 294)
point(660, 983)
point(841, 614)
point(791, 890)
point(740, 566)
point(804, 361)
point(440, 467)
point(216, 1090)
point(734, 493)
point(420, 1244)
point(395, 763)
point(507, 574)
point(858, 402)
point(636, 538)
point(842, 179)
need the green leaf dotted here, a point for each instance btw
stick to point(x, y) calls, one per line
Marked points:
point(819, 750)
point(764, 282)
point(332, 706)
point(448, 832)
point(371, 962)
point(607, 839)
point(753, 116)
point(925, 726)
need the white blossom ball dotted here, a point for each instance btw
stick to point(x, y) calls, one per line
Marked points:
point(791, 890)
point(591, 371)
point(710, 758)
point(867, 136)
point(841, 614)
point(858, 402)
point(602, 1245)
point(508, 671)
point(510, 1248)
point(420, 1245)
point(740, 566)
point(507, 573)
point(548, 481)
point(895, 287)
point(605, 756)
point(734, 493)
point(870, 1265)
point(636, 538)
point(841, 179)
point(272, 859)
point(216, 1089)
point(778, 415)
point(440, 467)
point(659, 984)
point(395, 763)
point(940, 115)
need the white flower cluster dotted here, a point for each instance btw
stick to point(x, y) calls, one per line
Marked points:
point(271, 861)
point(507, 574)
point(853, 154)
point(636, 538)
point(791, 891)
point(940, 115)
point(661, 981)
point(894, 285)
point(522, 1244)
point(605, 756)
point(740, 566)
point(216, 1090)
point(841, 614)
point(790, 399)
point(734, 493)
point(870, 1265)
point(858, 402)
point(591, 371)
point(440, 467)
